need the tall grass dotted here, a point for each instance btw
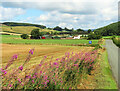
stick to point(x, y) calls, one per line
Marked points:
point(62, 73)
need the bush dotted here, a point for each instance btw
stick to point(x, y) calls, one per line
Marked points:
point(94, 36)
point(24, 36)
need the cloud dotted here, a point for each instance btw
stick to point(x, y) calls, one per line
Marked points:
point(10, 13)
point(63, 7)
point(70, 13)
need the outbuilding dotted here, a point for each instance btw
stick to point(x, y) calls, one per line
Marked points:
point(43, 37)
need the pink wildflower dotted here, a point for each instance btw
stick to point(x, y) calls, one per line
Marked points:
point(57, 59)
point(31, 51)
point(19, 80)
point(75, 64)
point(29, 77)
point(15, 56)
point(45, 77)
point(55, 63)
point(21, 67)
point(10, 85)
point(47, 80)
point(40, 71)
point(33, 81)
point(40, 64)
point(5, 72)
point(33, 77)
point(57, 67)
point(45, 56)
point(35, 73)
point(6, 67)
point(45, 83)
point(26, 76)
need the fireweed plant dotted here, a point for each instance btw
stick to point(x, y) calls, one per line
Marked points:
point(62, 73)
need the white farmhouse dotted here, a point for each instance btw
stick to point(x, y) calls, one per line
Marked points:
point(77, 37)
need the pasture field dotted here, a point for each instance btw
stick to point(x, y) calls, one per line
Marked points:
point(17, 40)
point(22, 29)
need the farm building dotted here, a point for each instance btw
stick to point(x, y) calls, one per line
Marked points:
point(77, 37)
point(43, 37)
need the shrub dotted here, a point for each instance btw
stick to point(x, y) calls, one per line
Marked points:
point(24, 36)
point(94, 36)
point(116, 41)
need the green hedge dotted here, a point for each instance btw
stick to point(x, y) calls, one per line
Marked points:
point(116, 42)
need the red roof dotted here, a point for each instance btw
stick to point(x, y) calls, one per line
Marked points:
point(43, 37)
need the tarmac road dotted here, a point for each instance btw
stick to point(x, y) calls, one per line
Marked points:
point(113, 57)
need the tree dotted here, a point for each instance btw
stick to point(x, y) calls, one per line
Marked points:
point(66, 29)
point(80, 30)
point(35, 34)
point(89, 30)
point(58, 28)
point(24, 36)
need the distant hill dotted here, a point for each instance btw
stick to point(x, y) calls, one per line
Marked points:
point(88, 29)
point(109, 30)
point(23, 24)
point(26, 28)
point(23, 28)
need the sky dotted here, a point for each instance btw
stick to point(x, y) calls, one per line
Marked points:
point(84, 14)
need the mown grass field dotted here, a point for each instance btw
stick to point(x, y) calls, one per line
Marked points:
point(8, 50)
point(17, 40)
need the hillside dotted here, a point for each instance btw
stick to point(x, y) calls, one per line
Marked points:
point(111, 29)
point(25, 28)
point(23, 24)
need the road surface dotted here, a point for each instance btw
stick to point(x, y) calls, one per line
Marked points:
point(113, 57)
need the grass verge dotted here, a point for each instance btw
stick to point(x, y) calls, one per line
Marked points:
point(105, 78)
